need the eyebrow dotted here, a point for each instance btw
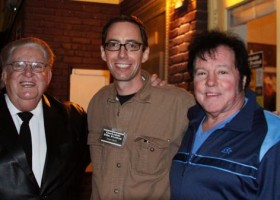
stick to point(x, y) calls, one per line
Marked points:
point(127, 41)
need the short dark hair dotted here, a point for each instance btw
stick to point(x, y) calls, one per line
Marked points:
point(126, 18)
point(207, 42)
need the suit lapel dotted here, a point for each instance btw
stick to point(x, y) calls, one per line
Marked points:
point(54, 128)
point(9, 139)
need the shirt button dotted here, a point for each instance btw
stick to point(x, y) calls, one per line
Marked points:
point(119, 165)
point(152, 149)
point(116, 190)
point(43, 198)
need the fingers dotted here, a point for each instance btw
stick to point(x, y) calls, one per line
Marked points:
point(154, 77)
point(277, 112)
point(162, 83)
point(156, 81)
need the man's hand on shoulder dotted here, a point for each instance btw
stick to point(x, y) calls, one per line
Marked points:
point(156, 81)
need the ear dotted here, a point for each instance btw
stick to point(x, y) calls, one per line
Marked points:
point(4, 76)
point(103, 54)
point(145, 56)
point(244, 82)
point(49, 76)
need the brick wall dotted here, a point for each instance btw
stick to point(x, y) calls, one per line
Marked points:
point(72, 29)
point(184, 22)
point(135, 6)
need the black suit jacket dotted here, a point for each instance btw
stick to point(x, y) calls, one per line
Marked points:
point(66, 159)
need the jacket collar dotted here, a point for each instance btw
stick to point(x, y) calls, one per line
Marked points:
point(9, 138)
point(143, 95)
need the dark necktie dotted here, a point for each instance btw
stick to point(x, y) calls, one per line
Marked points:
point(25, 135)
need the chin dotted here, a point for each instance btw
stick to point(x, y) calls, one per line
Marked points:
point(29, 96)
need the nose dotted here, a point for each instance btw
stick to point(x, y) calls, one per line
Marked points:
point(122, 52)
point(211, 80)
point(28, 70)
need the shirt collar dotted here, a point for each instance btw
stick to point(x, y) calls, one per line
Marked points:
point(38, 111)
point(143, 95)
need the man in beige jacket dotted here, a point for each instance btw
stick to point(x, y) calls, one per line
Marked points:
point(134, 129)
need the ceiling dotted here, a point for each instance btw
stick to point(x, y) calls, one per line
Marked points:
point(102, 1)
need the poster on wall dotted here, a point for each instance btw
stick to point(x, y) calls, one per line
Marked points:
point(269, 88)
point(84, 83)
point(263, 80)
point(256, 65)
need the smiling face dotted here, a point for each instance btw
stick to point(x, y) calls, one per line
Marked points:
point(216, 83)
point(124, 65)
point(26, 88)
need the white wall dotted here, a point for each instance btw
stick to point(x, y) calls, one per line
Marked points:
point(84, 83)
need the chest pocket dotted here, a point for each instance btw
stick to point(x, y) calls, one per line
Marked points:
point(150, 155)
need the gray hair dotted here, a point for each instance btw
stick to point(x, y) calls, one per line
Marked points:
point(8, 50)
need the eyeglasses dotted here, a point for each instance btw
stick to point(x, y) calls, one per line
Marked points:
point(116, 46)
point(20, 66)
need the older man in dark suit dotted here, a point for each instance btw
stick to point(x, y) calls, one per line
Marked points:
point(45, 156)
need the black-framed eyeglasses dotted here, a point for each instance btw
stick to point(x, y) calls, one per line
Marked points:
point(116, 46)
point(20, 66)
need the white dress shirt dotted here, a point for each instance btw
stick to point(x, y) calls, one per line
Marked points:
point(37, 128)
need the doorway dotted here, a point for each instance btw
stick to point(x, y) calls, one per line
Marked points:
point(255, 23)
point(153, 15)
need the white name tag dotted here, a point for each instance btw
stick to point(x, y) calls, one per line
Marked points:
point(113, 137)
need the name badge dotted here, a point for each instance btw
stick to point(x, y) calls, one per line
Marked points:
point(116, 138)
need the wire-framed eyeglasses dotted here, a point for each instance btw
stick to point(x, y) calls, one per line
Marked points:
point(20, 66)
point(116, 46)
